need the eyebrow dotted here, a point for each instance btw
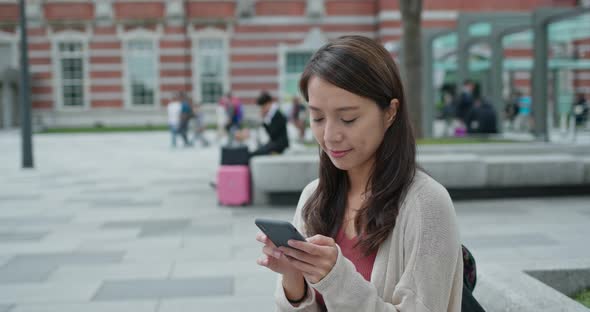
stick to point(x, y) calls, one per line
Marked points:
point(346, 108)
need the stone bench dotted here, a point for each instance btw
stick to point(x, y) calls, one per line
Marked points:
point(465, 171)
point(503, 289)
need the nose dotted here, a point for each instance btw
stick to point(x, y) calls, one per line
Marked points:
point(332, 132)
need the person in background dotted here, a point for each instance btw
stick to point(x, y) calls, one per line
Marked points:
point(298, 116)
point(580, 110)
point(482, 118)
point(464, 101)
point(199, 125)
point(447, 109)
point(523, 121)
point(235, 115)
point(275, 125)
point(222, 118)
point(511, 110)
point(174, 109)
point(186, 114)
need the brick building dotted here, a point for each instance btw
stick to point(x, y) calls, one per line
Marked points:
point(119, 61)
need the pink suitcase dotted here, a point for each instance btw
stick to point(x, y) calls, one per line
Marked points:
point(233, 185)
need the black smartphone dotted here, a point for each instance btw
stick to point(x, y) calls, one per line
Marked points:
point(279, 232)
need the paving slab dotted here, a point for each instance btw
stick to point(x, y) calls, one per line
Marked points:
point(164, 288)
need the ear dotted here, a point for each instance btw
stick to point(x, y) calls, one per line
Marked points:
point(391, 112)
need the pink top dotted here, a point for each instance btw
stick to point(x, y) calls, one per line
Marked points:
point(364, 265)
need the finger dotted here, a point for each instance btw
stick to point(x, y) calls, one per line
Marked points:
point(263, 261)
point(298, 254)
point(307, 247)
point(321, 240)
point(261, 237)
point(272, 251)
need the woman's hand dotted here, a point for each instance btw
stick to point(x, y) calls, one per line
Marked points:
point(314, 258)
point(274, 259)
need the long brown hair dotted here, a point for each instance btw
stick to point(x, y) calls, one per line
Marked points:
point(362, 66)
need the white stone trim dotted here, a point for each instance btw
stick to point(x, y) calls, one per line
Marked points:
point(105, 38)
point(106, 96)
point(195, 36)
point(69, 36)
point(37, 39)
point(254, 50)
point(295, 20)
point(447, 15)
point(254, 79)
point(105, 67)
point(107, 81)
point(391, 32)
point(174, 52)
point(174, 37)
point(42, 97)
point(334, 34)
point(248, 65)
point(313, 41)
point(270, 36)
point(39, 54)
point(105, 52)
point(315, 8)
point(174, 80)
point(174, 66)
point(40, 68)
point(140, 33)
point(12, 40)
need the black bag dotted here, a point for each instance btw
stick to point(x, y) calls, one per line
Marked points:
point(468, 302)
point(235, 155)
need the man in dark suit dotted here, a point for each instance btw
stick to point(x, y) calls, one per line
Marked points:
point(275, 124)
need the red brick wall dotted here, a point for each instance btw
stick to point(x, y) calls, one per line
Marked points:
point(8, 12)
point(76, 11)
point(351, 7)
point(281, 7)
point(138, 10)
point(210, 9)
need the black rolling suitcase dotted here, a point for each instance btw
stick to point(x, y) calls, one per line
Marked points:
point(235, 155)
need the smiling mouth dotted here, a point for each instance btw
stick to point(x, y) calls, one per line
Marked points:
point(339, 154)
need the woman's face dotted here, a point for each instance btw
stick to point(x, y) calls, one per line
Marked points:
point(348, 127)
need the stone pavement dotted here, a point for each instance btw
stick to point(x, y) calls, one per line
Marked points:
point(122, 222)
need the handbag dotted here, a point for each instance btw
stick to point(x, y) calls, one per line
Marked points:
point(468, 302)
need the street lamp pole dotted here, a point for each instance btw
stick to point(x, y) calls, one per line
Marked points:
point(25, 91)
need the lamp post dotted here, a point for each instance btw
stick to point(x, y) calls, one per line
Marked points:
point(25, 91)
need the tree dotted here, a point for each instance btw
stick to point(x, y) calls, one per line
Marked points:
point(412, 59)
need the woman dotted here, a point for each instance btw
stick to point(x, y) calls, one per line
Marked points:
point(382, 234)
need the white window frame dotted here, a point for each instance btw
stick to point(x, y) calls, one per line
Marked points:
point(12, 41)
point(283, 52)
point(208, 33)
point(312, 42)
point(148, 35)
point(65, 37)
